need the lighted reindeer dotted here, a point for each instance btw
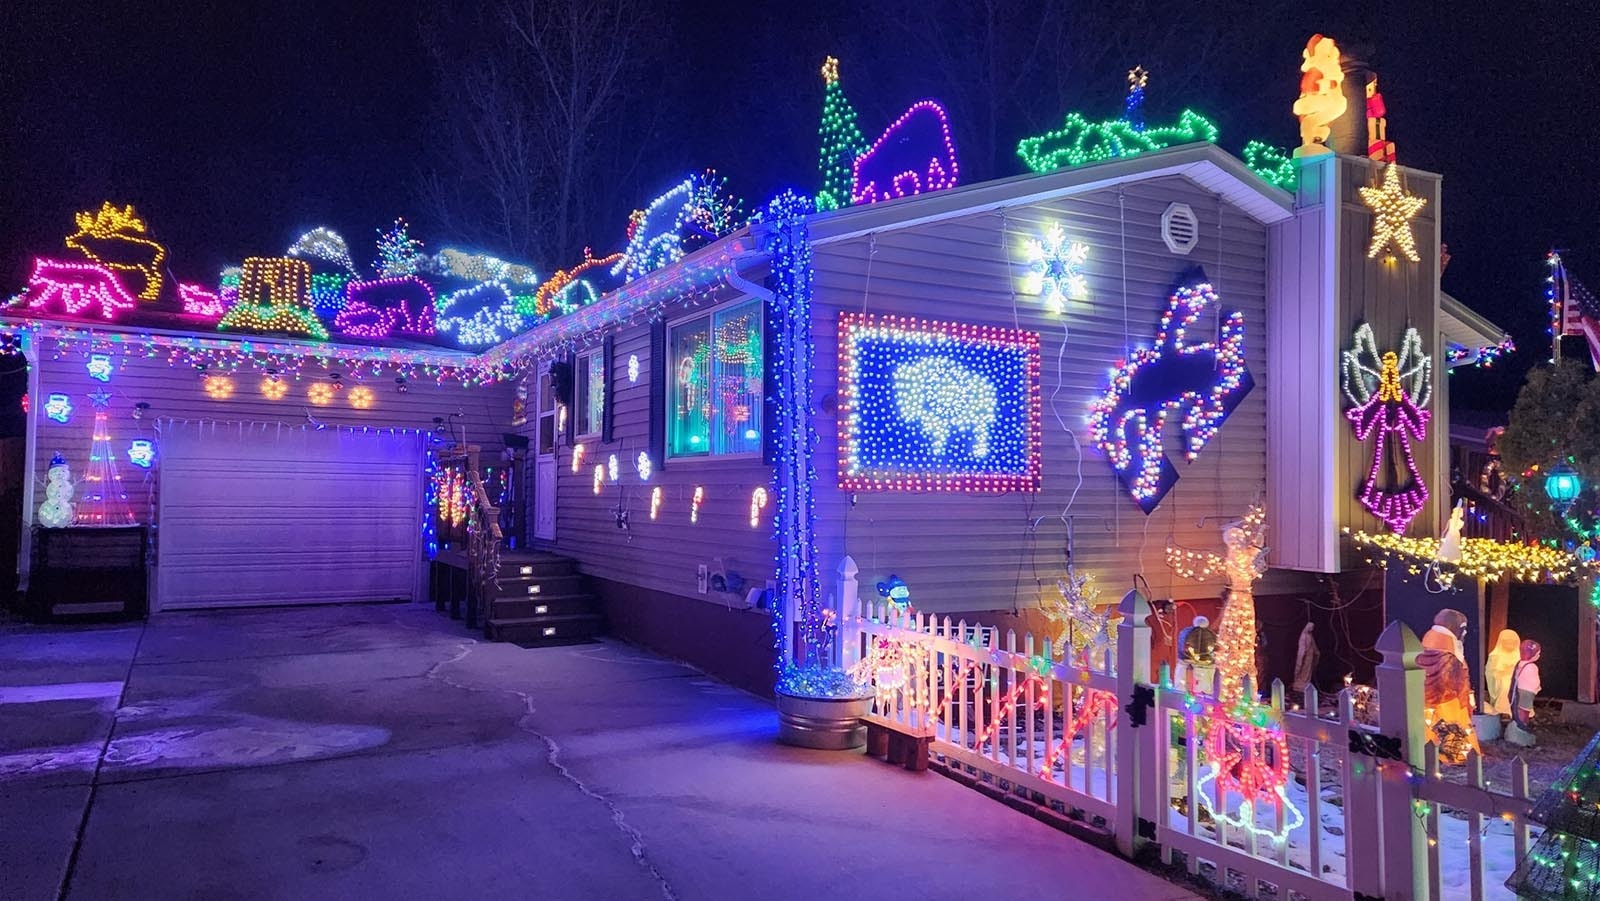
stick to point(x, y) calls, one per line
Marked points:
point(115, 238)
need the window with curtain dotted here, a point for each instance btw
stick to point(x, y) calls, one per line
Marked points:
point(715, 403)
point(591, 392)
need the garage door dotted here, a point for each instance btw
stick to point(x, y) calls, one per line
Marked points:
point(262, 515)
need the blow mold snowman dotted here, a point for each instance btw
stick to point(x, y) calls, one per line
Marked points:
point(56, 511)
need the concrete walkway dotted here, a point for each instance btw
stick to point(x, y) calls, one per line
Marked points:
point(379, 752)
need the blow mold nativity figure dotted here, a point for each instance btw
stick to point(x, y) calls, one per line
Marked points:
point(1447, 687)
point(1524, 686)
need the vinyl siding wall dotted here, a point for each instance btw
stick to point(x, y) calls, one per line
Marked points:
point(663, 554)
point(999, 552)
point(176, 392)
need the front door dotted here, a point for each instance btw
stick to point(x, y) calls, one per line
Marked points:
point(544, 490)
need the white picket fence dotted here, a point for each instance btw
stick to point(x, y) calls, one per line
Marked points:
point(1122, 747)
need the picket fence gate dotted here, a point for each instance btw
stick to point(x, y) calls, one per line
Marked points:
point(1119, 746)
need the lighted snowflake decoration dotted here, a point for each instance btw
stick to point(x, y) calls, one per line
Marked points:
point(1054, 265)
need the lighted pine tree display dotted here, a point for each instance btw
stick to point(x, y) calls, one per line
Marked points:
point(841, 141)
point(1565, 862)
point(104, 502)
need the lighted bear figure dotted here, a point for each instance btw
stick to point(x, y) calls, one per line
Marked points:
point(56, 512)
point(1321, 100)
point(944, 399)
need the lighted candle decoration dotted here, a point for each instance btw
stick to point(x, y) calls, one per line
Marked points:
point(99, 367)
point(58, 407)
point(577, 457)
point(694, 504)
point(758, 502)
point(655, 501)
point(219, 387)
point(320, 393)
point(599, 477)
point(1243, 560)
point(141, 453)
point(274, 388)
point(361, 397)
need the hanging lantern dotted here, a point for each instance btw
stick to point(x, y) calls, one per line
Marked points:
point(1562, 485)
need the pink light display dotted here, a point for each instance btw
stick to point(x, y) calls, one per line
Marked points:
point(201, 301)
point(1389, 395)
point(79, 289)
point(913, 155)
point(387, 306)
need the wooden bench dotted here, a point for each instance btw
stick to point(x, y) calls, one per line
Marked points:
point(897, 743)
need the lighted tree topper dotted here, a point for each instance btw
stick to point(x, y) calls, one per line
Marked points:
point(1204, 382)
point(1389, 395)
point(937, 406)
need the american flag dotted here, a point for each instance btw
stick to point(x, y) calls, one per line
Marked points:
point(1579, 310)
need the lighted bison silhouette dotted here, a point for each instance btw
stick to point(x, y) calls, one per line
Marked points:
point(1202, 382)
point(913, 155)
point(945, 399)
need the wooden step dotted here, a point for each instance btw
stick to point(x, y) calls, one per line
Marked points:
point(543, 568)
point(539, 586)
point(558, 605)
point(547, 629)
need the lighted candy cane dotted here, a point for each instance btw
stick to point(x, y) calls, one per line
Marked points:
point(694, 505)
point(758, 502)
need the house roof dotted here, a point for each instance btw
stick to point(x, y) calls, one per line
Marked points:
point(1462, 327)
point(1207, 165)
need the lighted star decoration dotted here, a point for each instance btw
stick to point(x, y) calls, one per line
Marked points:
point(1393, 210)
point(100, 398)
point(1054, 269)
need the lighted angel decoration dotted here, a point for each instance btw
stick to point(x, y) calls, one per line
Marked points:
point(1243, 560)
point(1389, 395)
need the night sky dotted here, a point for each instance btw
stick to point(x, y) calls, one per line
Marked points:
point(234, 127)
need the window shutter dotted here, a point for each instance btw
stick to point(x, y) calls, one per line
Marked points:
point(570, 399)
point(658, 394)
point(607, 346)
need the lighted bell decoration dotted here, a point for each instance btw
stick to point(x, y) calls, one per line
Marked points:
point(1562, 485)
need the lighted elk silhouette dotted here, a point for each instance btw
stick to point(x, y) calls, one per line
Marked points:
point(115, 238)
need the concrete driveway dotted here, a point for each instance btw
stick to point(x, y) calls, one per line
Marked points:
point(380, 752)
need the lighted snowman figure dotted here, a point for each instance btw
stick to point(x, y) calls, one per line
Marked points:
point(56, 511)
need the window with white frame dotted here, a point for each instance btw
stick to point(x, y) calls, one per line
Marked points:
point(715, 372)
point(591, 392)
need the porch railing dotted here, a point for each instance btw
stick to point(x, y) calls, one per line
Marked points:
point(484, 538)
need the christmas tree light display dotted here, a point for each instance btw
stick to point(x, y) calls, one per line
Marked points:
point(105, 503)
point(842, 140)
point(1243, 560)
point(398, 253)
point(1565, 862)
point(1389, 395)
